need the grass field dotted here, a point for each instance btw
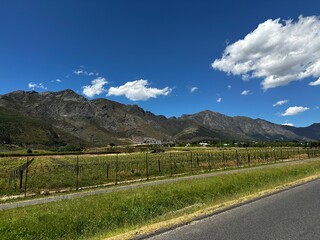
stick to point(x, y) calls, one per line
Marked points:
point(70, 172)
point(100, 216)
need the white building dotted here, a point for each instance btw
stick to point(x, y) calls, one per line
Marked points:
point(203, 144)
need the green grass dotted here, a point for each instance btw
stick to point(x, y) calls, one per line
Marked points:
point(54, 173)
point(107, 214)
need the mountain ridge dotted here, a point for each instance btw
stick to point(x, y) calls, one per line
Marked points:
point(100, 121)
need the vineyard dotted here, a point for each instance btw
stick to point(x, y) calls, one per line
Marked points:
point(43, 174)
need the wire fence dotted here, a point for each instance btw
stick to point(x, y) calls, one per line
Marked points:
point(43, 175)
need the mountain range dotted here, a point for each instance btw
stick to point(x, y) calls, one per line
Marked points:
point(65, 117)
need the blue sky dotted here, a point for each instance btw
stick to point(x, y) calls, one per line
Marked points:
point(170, 57)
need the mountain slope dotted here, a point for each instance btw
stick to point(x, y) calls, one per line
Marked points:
point(25, 131)
point(66, 111)
point(243, 128)
point(55, 118)
point(99, 121)
point(312, 131)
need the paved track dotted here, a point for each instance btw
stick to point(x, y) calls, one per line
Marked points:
point(292, 214)
point(55, 198)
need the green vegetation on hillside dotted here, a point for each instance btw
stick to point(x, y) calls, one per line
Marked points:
point(19, 130)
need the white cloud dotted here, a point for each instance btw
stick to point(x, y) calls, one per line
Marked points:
point(81, 71)
point(193, 89)
point(277, 51)
point(229, 86)
point(288, 124)
point(78, 72)
point(315, 83)
point(245, 92)
point(57, 80)
point(33, 85)
point(96, 87)
point(138, 90)
point(294, 111)
point(219, 100)
point(281, 102)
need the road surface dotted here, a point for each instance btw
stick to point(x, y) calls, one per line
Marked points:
point(292, 214)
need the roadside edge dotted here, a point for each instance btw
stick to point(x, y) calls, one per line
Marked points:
point(164, 226)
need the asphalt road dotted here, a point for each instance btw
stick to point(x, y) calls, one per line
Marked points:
point(292, 214)
point(80, 194)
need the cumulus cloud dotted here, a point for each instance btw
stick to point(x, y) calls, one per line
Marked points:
point(193, 89)
point(96, 87)
point(294, 111)
point(288, 124)
point(138, 90)
point(33, 85)
point(245, 92)
point(315, 83)
point(219, 100)
point(281, 102)
point(277, 51)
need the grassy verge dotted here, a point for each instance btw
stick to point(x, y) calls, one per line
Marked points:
point(106, 215)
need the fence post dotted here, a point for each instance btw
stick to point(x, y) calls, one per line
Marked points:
point(191, 164)
point(159, 166)
point(77, 174)
point(20, 176)
point(117, 169)
point(26, 180)
point(198, 164)
point(224, 160)
point(147, 166)
point(237, 159)
point(170, 165)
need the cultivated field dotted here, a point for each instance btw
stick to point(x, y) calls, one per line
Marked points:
point(42, 174)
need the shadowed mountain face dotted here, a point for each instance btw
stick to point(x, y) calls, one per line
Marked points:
point(244, 128)
point(312, 132)
point(66, 117)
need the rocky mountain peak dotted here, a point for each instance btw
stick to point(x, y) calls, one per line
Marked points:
point(101, 121)
point(69, 95)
